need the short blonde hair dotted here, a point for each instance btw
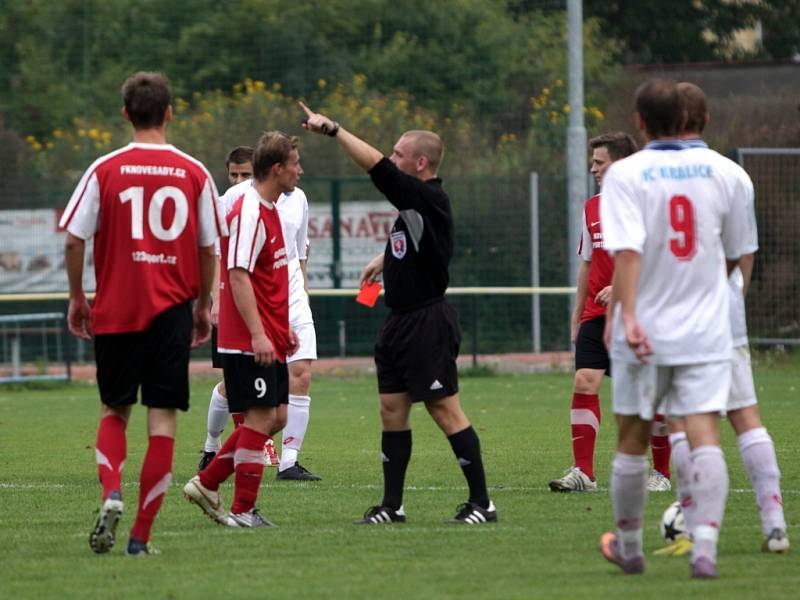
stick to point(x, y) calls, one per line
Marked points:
point(428, 144)
point(273, 147)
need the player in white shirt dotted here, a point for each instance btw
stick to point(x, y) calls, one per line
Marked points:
point(755, 445)
point(293, 211)
point(677, 221)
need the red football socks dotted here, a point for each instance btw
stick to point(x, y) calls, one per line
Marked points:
point(153, 484)
point(585, 421)
point(110, 452)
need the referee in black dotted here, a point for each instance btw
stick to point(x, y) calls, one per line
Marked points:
point(417, 347)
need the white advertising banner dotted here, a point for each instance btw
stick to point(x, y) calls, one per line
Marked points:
point(32, 246)
point(32, 253)
point(364, 228)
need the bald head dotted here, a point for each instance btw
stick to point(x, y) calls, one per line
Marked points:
point(694, 101)
point(423, 143)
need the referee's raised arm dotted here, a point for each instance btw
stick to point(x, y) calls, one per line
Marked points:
point(364, 155)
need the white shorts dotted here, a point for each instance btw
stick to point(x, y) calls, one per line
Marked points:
point(685, 389)
point(743, 392)
point(308, 343)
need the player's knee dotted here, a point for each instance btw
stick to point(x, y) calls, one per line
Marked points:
point(587, 381)
point(449, 418)
point(388, 411)
point(301, 381)
point(279, 423)
point(745, 419)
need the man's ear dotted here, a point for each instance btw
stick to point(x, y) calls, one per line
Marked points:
point(124, 112)
point(638, 121)
point(168, 114)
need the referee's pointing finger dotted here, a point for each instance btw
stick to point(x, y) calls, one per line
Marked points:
point(307, 110)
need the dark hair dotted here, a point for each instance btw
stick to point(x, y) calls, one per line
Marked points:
point(273, 147)
point(146, 97)
point(694, 101)
point(660, 106)
point(239, 156)
point(618, 143)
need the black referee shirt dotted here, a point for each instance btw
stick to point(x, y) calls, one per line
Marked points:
point(418, 252)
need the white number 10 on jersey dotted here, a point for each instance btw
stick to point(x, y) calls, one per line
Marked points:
point(135, 195)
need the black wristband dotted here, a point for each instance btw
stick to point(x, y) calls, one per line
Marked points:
point(334, 131)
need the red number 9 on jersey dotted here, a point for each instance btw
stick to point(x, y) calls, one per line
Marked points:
point(681, 217)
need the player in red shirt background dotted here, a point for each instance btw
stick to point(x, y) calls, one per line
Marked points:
point(586, 331)
point(152, 211)
point(254, 336)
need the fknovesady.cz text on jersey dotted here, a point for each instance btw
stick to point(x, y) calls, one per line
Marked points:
point(155, 259)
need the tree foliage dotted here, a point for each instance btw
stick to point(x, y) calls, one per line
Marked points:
point(68, 58)
point(682, 31)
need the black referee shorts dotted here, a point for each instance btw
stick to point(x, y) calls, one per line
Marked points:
point(157, 359)
point(416, 352)
point(250, 385)
point(590, 351)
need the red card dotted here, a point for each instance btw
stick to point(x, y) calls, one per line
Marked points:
point(368, 295)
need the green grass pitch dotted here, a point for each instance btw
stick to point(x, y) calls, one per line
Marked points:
point(544, 546)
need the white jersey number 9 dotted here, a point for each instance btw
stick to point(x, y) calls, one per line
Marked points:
point(135, 195)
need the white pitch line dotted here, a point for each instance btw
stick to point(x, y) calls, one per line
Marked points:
point(410, 488)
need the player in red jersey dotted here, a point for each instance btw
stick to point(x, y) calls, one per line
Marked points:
point(254, 336)
point(152, 211)
point(588, 321)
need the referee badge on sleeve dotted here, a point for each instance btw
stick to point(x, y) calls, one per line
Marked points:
point(398, 244)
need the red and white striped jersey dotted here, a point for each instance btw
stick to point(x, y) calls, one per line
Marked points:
point(255, 245)
point(148, 207)
point(591, 248)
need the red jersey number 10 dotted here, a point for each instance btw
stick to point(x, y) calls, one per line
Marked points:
point(681, 218)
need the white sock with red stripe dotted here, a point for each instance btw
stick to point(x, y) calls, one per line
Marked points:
point(682, 460)
point(709, 491)
point(758, 456)
point(628, 495)
point(217, 419)
point(297, 416)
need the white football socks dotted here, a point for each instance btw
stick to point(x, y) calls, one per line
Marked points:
point(628, 495)
point(758, 456)
point(297, 416)
point(217, 419)
point(709, 489)
point(682, 462)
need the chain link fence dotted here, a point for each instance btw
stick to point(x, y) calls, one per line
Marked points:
point(773, 316)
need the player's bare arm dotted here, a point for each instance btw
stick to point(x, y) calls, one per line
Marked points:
point(580, 298)
point(215, 295)
point(245, 300)
point(373, 269)
point(364, 155)
point(627, 266)
point(79, 315)
point(746, 262)
point(201, 330)
point(303, 269)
